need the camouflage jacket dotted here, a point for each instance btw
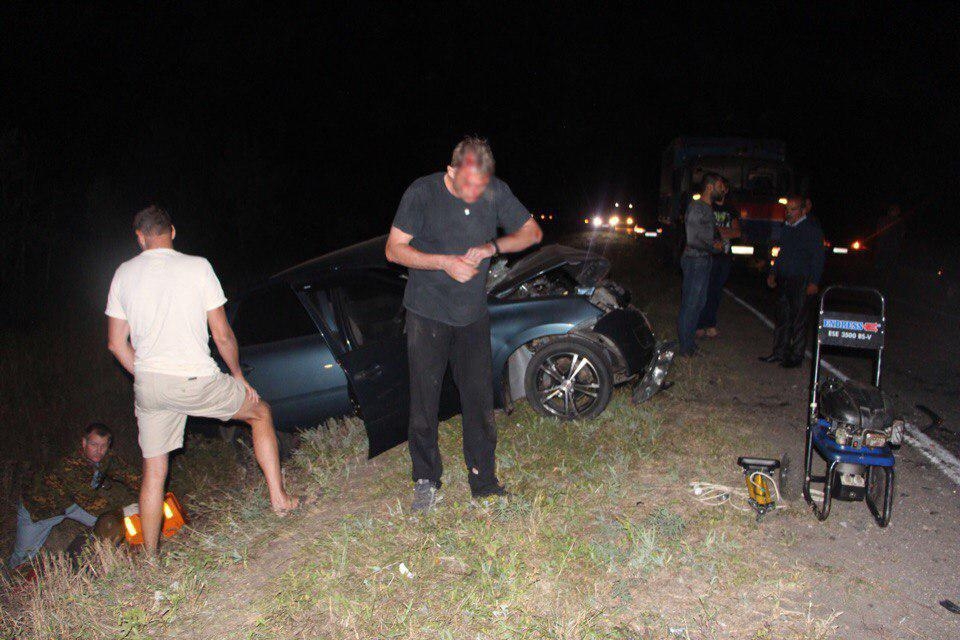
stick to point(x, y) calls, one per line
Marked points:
point(73, 479)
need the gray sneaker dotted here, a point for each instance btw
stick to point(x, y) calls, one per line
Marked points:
point(425, 496)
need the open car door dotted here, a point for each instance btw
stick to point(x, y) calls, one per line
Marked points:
point(368, 307)
point(379, 379)
point(369, 313)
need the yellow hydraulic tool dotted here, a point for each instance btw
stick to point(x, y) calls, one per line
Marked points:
point(762, 489)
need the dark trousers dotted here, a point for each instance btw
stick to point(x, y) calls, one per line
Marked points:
point(430, 346)
point(793, 319)
point(693, 295)
point(719, 272)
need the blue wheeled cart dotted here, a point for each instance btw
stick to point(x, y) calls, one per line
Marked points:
point(851, 425)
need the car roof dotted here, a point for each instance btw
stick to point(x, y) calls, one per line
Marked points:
point(363, 255)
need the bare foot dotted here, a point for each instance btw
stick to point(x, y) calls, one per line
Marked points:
point(286, 504)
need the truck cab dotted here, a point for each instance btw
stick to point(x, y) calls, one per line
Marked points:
point(759, 175)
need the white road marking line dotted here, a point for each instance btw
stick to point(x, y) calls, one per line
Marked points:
point(938, 456)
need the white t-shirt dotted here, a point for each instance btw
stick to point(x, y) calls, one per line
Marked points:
point(164, 295)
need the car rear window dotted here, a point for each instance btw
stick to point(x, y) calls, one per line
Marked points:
point(271, 315)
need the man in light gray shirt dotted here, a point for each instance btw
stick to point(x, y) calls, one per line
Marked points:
point(695, 263)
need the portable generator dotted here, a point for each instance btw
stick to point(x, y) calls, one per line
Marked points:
point(851, 425)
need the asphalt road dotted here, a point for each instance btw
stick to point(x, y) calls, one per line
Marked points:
point(922, 356)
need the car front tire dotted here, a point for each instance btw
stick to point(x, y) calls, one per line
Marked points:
point(569, 379)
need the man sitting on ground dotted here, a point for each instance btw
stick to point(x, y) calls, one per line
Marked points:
point(78, 486)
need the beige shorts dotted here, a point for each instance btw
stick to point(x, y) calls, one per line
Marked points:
point(163, 402)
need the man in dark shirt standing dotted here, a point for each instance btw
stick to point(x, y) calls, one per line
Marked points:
point(728, 227)
point(797, 273)
point(696, 261)
point(445, 233)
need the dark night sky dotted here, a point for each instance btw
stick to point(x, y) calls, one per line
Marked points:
point(296, 130)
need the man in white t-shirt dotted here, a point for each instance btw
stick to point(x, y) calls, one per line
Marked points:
point(159, 307)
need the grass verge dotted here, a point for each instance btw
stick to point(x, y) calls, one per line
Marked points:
point(600, 539)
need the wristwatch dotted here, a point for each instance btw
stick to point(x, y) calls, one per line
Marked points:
point(496, 249)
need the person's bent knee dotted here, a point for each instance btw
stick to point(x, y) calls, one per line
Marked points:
point(263, 411)
point(253, 411)
point(259, 412)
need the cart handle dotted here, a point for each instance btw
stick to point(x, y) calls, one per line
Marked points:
point(871, 290)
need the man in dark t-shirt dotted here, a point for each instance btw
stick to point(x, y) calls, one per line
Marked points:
point(445, 232)
point(728, 228)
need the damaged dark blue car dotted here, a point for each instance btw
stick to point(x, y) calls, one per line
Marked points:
point(326, 339)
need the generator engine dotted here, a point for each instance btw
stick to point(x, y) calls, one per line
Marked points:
point(860, 415)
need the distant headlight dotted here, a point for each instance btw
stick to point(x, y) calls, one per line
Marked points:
point(629, 220)
point(774, 252)
point(614, 221)
point(741, 250)
point(597, 221)
point(841, 250)
point(856, 246)
point(782, 201)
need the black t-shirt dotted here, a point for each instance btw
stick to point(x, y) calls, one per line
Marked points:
point(724, 217)
point(442, 223)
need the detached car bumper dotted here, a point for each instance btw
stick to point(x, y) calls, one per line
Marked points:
point(652, 380)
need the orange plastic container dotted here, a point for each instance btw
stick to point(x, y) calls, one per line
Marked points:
point(174, 517)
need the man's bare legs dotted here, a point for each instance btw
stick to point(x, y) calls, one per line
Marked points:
point(151, 500)
point(260, 418)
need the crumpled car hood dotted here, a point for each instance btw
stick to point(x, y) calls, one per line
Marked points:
point(587, 269)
